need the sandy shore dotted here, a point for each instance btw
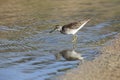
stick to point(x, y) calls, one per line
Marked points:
point(104, 67)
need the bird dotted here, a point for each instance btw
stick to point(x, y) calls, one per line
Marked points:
point(71, 28)
point(69, 55)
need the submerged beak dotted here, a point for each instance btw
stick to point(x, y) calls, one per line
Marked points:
point(52, 30)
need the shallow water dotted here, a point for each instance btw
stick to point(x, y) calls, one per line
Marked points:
point(28, 51)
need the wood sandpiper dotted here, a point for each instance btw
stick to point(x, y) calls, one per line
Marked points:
point(71, 28)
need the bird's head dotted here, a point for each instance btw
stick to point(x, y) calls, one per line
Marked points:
point(56, 28)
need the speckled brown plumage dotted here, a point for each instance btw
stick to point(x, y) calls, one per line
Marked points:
point(72, 25)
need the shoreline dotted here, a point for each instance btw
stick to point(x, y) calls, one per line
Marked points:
point(104, 67)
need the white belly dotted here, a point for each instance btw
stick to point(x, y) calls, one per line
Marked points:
point(72, 31)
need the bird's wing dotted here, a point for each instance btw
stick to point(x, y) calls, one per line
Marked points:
point(73, 25)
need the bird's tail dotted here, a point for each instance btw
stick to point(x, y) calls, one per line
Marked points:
point(83, 23)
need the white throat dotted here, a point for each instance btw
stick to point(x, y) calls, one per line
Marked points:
point(60, 28)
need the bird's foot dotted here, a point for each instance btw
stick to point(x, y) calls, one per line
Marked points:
point(74, 40)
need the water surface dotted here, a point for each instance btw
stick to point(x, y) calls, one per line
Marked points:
point(27, 50)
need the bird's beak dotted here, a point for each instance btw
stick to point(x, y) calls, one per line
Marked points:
point(52, 30)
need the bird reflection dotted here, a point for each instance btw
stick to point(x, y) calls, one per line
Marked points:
point(69, 55)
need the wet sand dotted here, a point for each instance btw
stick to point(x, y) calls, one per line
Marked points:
point(104, 67)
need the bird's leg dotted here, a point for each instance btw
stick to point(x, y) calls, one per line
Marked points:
point(74, 38)
point(74, 46)
point(74, 41)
